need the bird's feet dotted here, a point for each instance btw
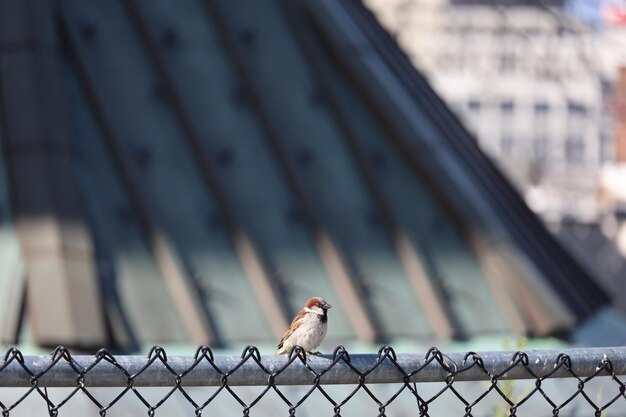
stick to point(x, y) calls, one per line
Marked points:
point(316, 353)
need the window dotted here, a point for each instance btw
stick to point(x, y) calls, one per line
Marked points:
point(574, 149)
point(541, 118)
point(541, 108)
point(507, 107)
point(607, 146)
point(576, 109)
point(474, 105)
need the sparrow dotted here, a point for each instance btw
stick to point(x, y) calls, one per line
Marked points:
point(308, 327)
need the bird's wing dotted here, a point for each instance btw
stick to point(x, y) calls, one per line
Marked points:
point(294, 325)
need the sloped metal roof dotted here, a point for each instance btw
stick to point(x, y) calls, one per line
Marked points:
point(212, 164)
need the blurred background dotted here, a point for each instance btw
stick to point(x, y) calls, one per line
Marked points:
point(190, 172)
point(541, 87)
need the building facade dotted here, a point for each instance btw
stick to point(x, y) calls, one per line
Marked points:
point(533, 85)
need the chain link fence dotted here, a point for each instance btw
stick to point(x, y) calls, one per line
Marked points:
point(570, 382)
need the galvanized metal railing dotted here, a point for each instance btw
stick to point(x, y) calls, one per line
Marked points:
point(408, 372)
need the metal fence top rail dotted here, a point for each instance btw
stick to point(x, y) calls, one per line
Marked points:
point(157, 369)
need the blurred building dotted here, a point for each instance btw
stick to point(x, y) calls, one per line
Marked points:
point(191, 172)
point(532, 83)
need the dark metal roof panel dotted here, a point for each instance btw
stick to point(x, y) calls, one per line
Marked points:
point(445, 255)
point(183, 211)
point(216, 103)
point(324, 163)
point(131, 282)
point(11, 266)
point(55, 242)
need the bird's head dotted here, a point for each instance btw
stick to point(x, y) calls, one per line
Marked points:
point(316, 305)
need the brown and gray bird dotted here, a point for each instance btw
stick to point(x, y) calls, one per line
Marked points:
point(308, 327)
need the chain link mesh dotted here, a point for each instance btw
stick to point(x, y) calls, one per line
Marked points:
point(422, 400)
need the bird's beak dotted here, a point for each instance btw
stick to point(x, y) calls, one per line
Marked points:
point(327, 306)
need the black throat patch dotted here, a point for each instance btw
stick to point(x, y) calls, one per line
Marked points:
point(324, 317)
